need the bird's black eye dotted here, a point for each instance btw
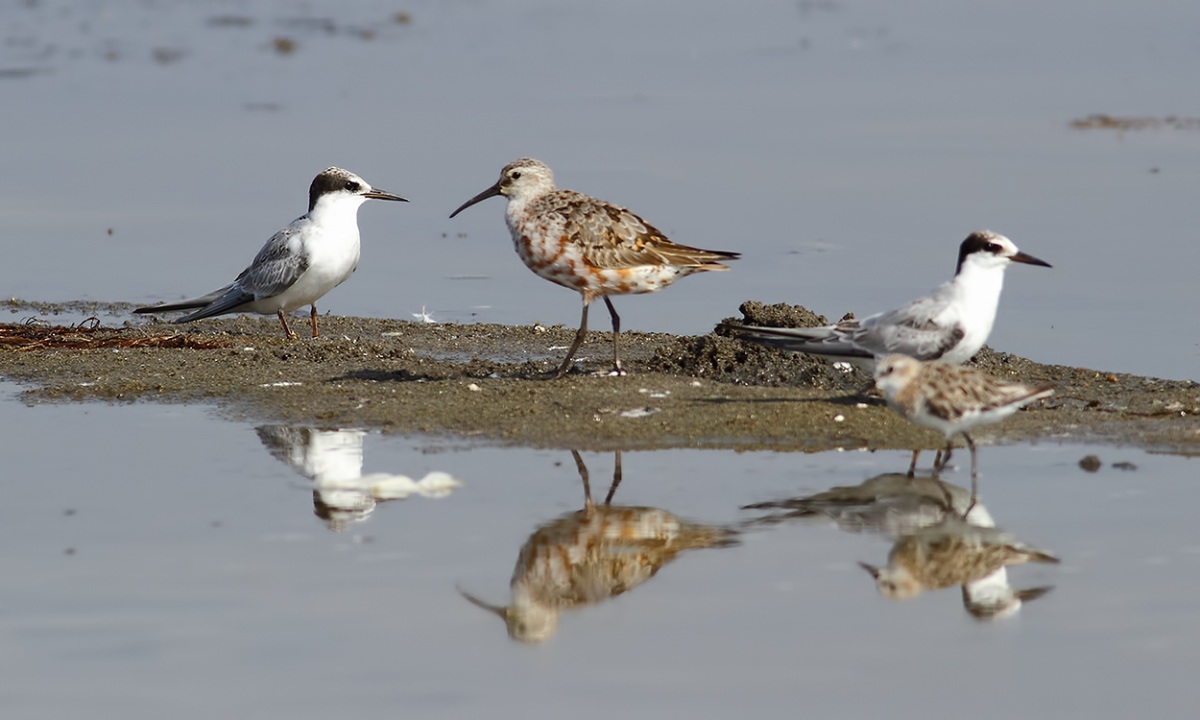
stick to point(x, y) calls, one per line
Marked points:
point(992, 248)
point(352, 186)
point(515, 174)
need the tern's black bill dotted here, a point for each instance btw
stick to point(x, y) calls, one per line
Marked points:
point(377, 194)
point(1029, 260)
point(490, 192)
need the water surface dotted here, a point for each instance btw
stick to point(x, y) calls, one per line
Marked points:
point(163, 561)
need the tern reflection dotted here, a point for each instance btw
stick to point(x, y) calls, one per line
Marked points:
point(332, 460)
point(942, 538)
point(591, 555)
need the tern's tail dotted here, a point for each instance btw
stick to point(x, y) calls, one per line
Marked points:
point(197, 302)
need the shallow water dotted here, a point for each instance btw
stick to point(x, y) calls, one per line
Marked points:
point(162, 561)
point(844, 147)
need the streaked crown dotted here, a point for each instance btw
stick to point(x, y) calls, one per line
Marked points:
point(525, 178)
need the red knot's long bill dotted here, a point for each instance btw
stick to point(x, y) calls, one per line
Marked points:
point(590, 246)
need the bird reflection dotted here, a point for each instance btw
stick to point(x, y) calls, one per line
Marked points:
point(942, 537)
point(955, 552)
point(332, 459)
point(591, 555)
point(891, 504)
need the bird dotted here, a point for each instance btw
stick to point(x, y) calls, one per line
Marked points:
point(950, 399)
point(890, 503)
point(950, 324)
point(590, 555)
point(314, 254)
point(950, 553)
point(331, 459)
point(588, 245)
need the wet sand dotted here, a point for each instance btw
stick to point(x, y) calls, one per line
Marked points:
point(486, 383)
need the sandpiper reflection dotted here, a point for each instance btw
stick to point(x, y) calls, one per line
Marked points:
point(955, 552)
point(590, 555)
point(332, 460)
point(942, 537)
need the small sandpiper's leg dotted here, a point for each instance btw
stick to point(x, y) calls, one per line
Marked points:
point(912, 466)
point(974, 474)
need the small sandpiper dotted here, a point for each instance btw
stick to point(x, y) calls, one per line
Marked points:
point(951, 399)
point(591, 246)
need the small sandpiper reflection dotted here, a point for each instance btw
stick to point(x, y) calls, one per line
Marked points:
point(591, 555)
point(955, 552)
point(332, 459)
point(942, 537)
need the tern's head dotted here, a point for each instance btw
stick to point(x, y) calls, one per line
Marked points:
point(986, 249)
point(342, 187)
point(894, 372)
point(525, 178)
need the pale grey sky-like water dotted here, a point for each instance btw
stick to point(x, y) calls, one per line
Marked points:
point(845, 148)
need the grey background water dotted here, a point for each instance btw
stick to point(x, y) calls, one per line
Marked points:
point(148, 574)
point(844, 147)
point(158, 561)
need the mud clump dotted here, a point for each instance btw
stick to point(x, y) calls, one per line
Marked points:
point(724, 357)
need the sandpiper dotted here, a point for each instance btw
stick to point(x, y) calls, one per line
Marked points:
point(950, 399)
point(591, 246)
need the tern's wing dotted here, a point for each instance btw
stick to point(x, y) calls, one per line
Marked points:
point(276, 268)
point(834, 340)
point(914, 329)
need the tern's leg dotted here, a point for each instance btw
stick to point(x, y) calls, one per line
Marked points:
point(583, 475)
point(616, 324)
point(286, 330)
point(566, 365)
point(612, 489)
point(313, 316)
